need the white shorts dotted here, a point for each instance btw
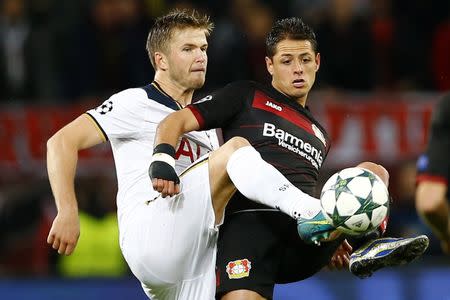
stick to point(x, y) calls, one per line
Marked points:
point(170, 243)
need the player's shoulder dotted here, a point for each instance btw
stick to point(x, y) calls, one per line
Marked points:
point(122, 102)
point(129, 98)
point(131, 95)
point(140, 99)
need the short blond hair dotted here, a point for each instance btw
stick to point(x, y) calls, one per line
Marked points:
point(163, 28)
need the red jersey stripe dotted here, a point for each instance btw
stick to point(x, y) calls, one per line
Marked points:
point(262, 101)
point(432, 178)
point(197, 115)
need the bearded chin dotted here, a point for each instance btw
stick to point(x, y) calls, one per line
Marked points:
point(198, 83)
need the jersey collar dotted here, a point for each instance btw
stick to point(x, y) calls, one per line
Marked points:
point(156, 93)
point(288, 100)
point(292, 103)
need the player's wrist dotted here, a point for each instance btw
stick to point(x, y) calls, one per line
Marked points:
point(163, 164)
point(68, 211)
point(164, 153)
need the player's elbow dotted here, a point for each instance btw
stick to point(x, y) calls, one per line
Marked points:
point(53, 142)
point(59, 143)
point(430, 198)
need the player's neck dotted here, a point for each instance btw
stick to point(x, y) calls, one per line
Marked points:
point(175, 91)
point(301, 100)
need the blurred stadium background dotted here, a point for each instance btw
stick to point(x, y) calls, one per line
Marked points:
point(384, 65)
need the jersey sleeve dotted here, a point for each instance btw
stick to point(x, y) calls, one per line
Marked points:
point(221, 107)
point(119, 116)
point(434, 164)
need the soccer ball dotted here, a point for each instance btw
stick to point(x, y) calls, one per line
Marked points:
point(355, 201)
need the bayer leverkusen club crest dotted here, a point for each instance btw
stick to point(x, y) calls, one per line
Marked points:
point(239, 268)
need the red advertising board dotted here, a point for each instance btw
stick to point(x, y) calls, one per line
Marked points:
point(384, 129)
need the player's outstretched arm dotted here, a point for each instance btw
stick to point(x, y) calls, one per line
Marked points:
point(169, 131)
point(433, 208)
point(62, 157)
point(172, 127)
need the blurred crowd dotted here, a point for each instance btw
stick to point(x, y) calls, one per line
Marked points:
point(69, 50)
point(54, 52)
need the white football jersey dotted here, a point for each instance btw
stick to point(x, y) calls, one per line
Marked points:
point(129, 120)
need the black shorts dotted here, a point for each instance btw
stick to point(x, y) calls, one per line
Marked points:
point(258, 249)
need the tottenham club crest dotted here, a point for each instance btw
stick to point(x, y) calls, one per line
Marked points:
point(106, 107)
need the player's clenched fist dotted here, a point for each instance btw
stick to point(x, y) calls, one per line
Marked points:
point(63, 235)
point(162, 171)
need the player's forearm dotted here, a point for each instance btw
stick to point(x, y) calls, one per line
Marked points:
point(174, 126)
point(62, 157)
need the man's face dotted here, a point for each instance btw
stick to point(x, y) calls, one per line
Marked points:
point(293, 68)
point(187, 59)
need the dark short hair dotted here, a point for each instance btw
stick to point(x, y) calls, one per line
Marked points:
point(289, 29)
point(163, 28)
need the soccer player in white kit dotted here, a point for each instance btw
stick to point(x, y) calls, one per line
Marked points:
point(155, 233)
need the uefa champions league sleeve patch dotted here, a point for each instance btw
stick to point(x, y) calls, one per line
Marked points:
point(106, 107)
point(239, 268)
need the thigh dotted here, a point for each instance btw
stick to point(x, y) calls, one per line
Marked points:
point(171, 240)
point(249, 250)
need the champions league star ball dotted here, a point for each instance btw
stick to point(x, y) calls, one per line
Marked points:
point(355, 200)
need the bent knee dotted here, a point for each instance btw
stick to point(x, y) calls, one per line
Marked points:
point(379, 170)
point(236, 143)
point(221, 156)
